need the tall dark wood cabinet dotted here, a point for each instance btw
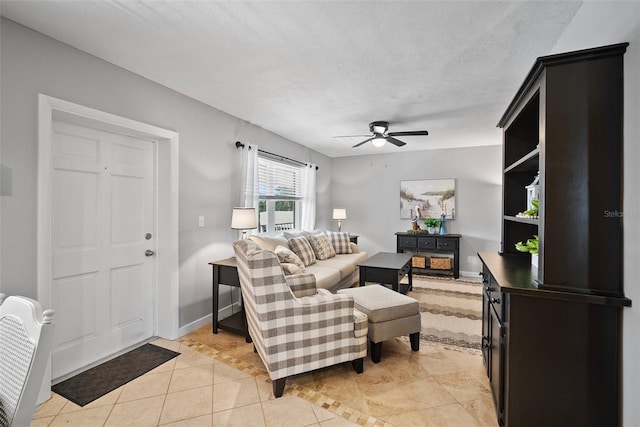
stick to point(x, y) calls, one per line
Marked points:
point(551, 334)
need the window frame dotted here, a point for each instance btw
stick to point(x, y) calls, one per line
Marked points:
point(271, 199)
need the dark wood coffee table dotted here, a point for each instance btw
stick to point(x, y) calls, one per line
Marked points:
point(386, 268)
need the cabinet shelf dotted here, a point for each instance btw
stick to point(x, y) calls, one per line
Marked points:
point(529, 162)
point(533, 221)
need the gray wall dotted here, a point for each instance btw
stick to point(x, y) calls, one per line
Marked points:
point(369, 188)
point(598, 24)
point(33, 63)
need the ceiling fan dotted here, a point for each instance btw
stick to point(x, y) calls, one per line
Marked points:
point(380, 135)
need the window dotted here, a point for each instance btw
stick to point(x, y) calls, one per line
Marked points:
point(280, 191)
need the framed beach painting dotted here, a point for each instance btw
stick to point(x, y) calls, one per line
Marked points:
point(433, 196)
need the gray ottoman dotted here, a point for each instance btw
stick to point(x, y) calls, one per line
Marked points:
point(391, 315)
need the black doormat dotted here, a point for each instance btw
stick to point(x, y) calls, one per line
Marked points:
point(94, 383)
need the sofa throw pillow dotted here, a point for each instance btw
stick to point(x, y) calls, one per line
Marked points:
point(286, 256)
point(290, 269)
point(322, 246)
point(301, 247)
point(269, 243)
point(340, 241)
point(291, 234)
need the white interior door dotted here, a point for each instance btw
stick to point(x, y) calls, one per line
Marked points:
point(102, 224)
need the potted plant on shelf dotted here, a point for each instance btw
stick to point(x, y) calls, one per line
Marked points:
point(432, 224)
point(531, 246)
point(531, 213)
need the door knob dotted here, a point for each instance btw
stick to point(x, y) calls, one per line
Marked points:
point(149, 252)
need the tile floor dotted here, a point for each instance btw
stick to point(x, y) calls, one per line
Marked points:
point(219, 380)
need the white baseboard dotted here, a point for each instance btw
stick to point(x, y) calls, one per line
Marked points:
point(197, 324)
point(471, 275)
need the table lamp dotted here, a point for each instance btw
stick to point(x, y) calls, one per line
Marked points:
point(244, 219)
point(339, 214)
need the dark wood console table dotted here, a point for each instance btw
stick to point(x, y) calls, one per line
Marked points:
point(225, 272)
point(435, 245)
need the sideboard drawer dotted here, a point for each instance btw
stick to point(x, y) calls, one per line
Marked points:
point(407, 242)
point(447, 243)
point(427, 243)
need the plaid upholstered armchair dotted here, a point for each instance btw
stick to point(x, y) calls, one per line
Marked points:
point(296, 328)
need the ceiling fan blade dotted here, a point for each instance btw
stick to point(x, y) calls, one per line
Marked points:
point(360, 143)
point(409, 133)
point(350, 136)
point(395, 141)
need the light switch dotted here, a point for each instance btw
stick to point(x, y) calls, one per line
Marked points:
point(200, 221)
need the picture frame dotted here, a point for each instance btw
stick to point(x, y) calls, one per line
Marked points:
point(433, 196)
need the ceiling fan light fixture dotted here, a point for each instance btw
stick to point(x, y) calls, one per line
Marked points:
point(378, 141)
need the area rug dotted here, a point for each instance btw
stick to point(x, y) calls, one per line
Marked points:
point(94, 383)
point(451, 310)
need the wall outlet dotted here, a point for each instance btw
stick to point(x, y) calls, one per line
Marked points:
point(200, 221)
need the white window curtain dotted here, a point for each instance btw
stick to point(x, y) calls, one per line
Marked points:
point(308, 204)
point(249, 178)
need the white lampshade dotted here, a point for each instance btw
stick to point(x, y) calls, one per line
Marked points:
point(244, 219)
point(378, 141)
point(339, 213)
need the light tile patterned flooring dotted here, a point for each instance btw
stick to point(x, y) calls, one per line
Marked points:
point(219, 380)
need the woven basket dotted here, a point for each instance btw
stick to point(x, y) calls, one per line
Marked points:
point(440, 263)
point(419, 261)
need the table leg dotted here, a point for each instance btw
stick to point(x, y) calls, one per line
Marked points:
point(247, 337)
point(362, 274)
point(410, 277)
point(216, 290)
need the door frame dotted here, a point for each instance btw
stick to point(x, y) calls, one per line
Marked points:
point(166, 316)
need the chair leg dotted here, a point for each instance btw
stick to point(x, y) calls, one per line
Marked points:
point(358, 365)
point(376, 351)
point(415, 341)
point(278, 386)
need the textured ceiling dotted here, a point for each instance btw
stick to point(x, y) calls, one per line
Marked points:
point(311, 70)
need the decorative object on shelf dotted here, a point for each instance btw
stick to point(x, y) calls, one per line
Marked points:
point(432, 224)
point(419, 261)
point(416, 214)
point(339, 214)
point(443, 229)
point(433, 196)
point(244, 219)
point(532, 246)
point(533, 192)
point(531, 213)
point(418, 232)
point(440, 263)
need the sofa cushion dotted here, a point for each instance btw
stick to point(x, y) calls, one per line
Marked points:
point(345, 263)
point(269, 243)
point(322, 246)
point(287, 256)
point(302, 248)
point(340, 241)
point(326, 276)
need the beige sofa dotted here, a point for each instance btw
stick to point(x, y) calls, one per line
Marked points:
point(333, 274)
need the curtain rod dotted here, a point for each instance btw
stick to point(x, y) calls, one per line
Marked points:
point(241, 145)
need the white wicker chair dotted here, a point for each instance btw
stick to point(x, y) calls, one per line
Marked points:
point(26, 334)
point(296, 328)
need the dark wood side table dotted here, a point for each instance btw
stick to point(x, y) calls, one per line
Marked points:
point(225, 272)
point(354, 238)
point(386, 268)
